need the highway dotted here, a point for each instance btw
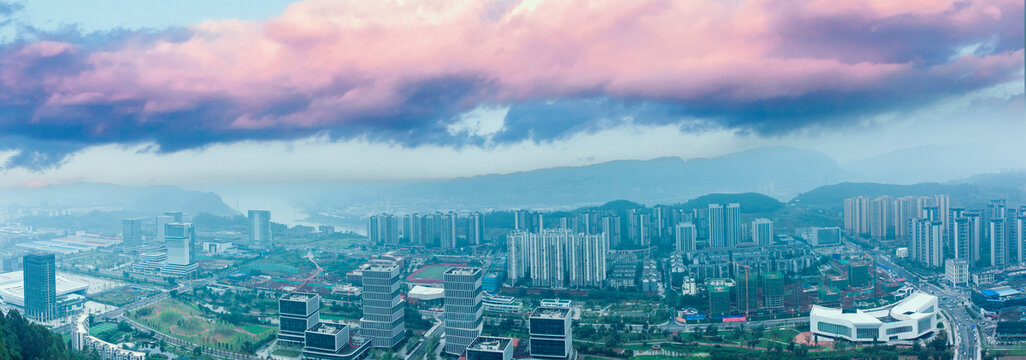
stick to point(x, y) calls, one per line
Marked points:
point(952, 301)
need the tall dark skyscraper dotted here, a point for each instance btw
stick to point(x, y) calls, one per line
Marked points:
point(40, 286)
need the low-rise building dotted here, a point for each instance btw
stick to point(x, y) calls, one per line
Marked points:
point(956, 271)
point(490, 348)
point(82, 341)
point(908, 319)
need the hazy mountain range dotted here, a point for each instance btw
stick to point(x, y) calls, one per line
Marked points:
point(804, 177)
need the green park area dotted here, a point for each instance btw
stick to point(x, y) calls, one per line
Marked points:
point(433, 272)
point(188, 323)
point(122, 295)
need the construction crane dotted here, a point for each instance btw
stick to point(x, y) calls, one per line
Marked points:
point(748, 289)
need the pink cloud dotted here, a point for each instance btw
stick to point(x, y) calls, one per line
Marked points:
point(357, 59)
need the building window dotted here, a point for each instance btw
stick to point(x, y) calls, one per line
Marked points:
point(870, 334)
point(899, 330)
point(835, 329)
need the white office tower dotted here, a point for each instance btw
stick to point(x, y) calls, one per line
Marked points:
point(463, 309)
point(762, 232)
point(732, 225)
point(856, 215)
point(179, 237)
point(557, 258)
point(956, 271)
point(998, 243)
point(162, 221)
point(383, 319)
point(926, 245)
point(717, 238)
point(881, 217)
point(131, 235)
point(687, 237)
point(260, 229)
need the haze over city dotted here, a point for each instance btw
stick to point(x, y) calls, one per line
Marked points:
point(512, 179)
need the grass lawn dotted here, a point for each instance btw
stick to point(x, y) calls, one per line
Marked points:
point(783, 335)
point(185, 322)
point(433, 272)
point(101, 328)
point(122, 295)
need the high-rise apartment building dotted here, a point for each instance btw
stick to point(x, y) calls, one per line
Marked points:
point(179, 238)
point(259, 228)
point(998, 243)
point(856, 215)
point(724, 225)
point(40, 287)
point(557, 258)
point(383, 319)
point(476, 228)
point(773, 290)
point(717, 238)
point(383, 229)
point(732, 225)
point(926, 242)
point(906, 208)
point(638, 228)
point(881, 218)
point(448, 233)
point(463, 309)
point(762, 232)
point(687, 237)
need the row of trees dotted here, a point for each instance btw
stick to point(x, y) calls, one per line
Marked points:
point(23, 340)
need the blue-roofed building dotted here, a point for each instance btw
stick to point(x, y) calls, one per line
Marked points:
point(492, 281)
point(997, 298)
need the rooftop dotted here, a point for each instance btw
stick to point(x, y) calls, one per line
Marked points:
point(298, 296)
point(327, 328)
point(463, 271)
point(551, 313)
point(381, 266)
point(487, 343)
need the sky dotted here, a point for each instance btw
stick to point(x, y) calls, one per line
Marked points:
point(199, 92)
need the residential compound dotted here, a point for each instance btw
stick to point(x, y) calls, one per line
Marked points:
point(558, 258)
point(933, 231)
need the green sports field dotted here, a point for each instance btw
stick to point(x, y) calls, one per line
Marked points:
point(186, 322)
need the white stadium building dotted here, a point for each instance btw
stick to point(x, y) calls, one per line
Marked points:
point(910, 318)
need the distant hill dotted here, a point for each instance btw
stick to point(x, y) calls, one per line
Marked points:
point(831, 197)
point(934, 163)
point(780, 172)
point(750, 202)
point(150, 200)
